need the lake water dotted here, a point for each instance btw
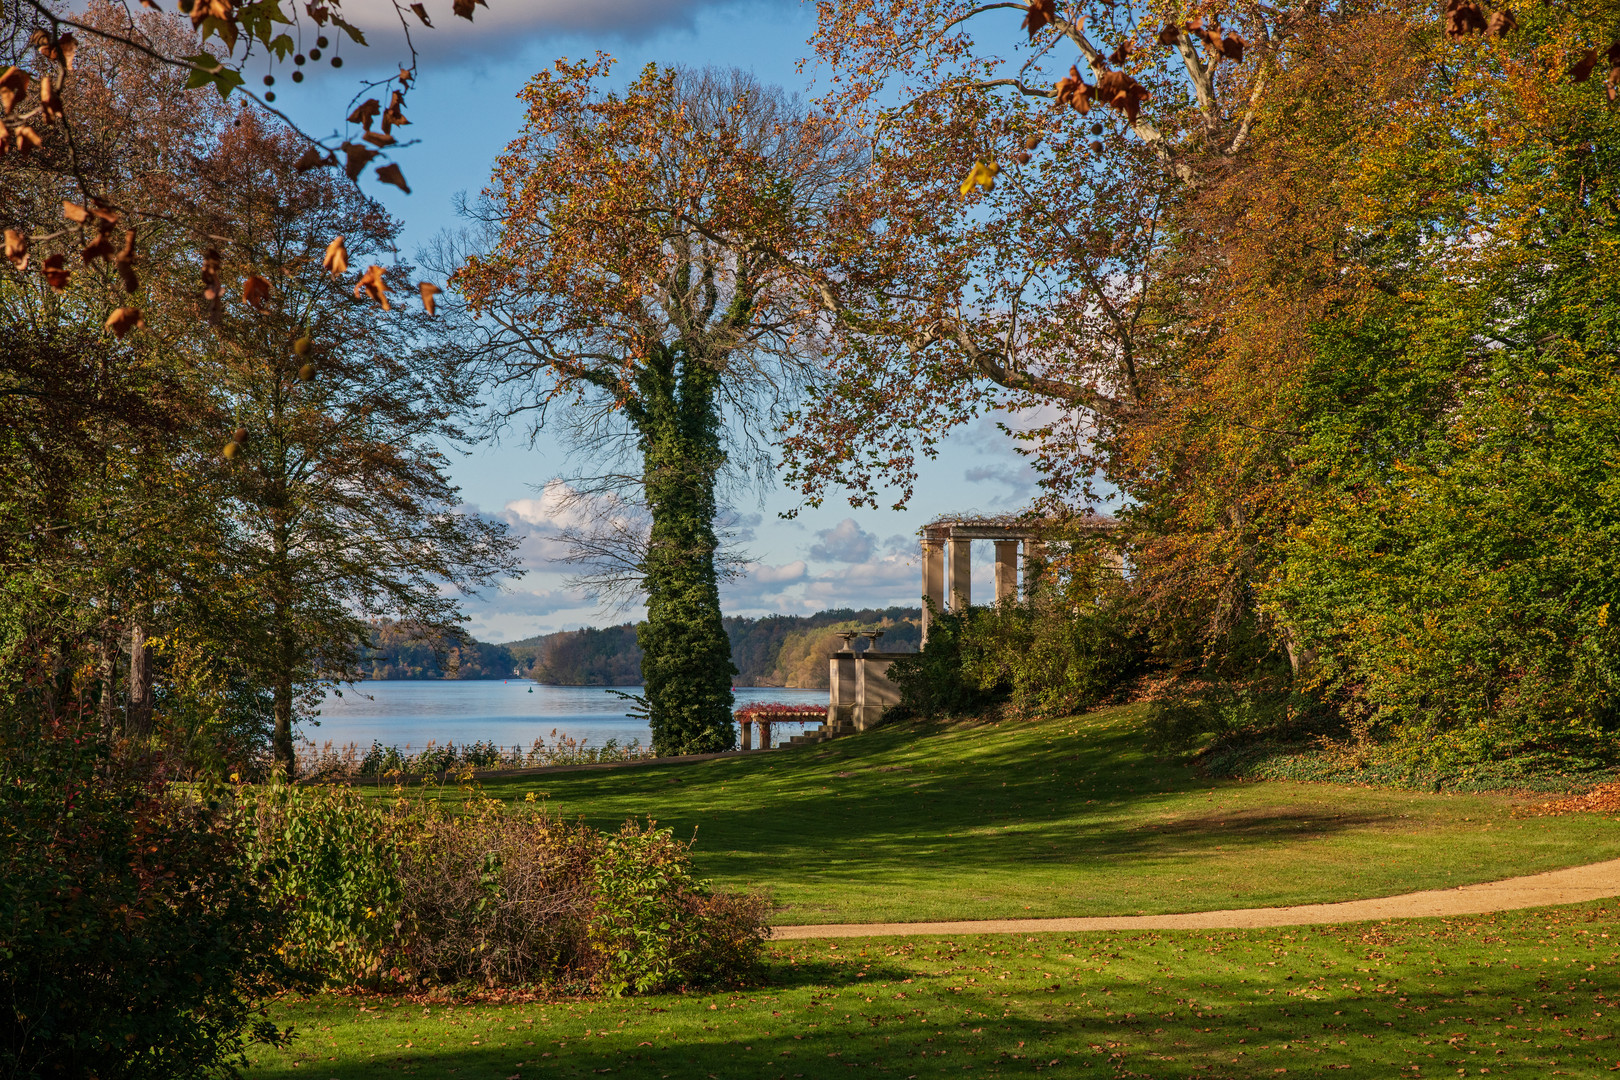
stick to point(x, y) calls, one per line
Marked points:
point(514, 712)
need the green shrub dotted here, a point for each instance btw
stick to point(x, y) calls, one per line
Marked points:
point(655, 927)
point(334, 862)
point(136, 934)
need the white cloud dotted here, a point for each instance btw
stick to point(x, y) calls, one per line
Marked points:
point(845, 542)
point(507, 26)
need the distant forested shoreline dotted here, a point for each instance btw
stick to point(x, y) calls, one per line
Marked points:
point(776, 650)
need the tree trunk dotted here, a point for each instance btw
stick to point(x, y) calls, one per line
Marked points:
point(686, 657)
point(106, 676)
point(281, 740)
point(138, 721)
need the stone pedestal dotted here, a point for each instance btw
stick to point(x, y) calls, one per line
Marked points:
point(860, 689)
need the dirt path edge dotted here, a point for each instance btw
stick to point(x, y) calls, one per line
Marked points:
point(1573, 885)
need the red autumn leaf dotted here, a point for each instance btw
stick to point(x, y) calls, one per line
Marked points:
point(75, 212)
point(371, 284)
point(1502, 23)
point(99, 248)
point(1232, 48)
point(13, 85)
point(255, 291)
point(1040, 13)
point(336, 259)
point(1170, 34)
point(123, 320)
point(1121, 53)
point(1581, 70)
point(394, 115)
point(59, 51)
point(124, 263)
point(1072, 91)
point(313, 158)
point(379, 138)
point(1121, 92)
point(27, 139)
point(50, 101)
point(366, 112)
point(464, 8)
point(56, 276)
point(318, 13)
point(17, 248)
point(428, 291)
point(421, 13)
point(356, 158)
point(390, 174)
point(1464, 18)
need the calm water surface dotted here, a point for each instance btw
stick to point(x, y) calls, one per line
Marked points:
point(515, 712)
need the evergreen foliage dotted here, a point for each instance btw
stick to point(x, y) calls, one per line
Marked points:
point(686, 657)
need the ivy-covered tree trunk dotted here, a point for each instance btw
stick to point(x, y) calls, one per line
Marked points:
point(686, 657)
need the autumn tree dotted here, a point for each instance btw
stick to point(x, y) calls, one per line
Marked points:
point(649, 282)
point(294, 485)
point(334, 421)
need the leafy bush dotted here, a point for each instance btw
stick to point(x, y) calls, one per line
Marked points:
point(1043, 657)
point(495, 895)
point(136, 935)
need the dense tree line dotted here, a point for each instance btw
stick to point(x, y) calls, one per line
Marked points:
point(403, 651)
point(775, 650)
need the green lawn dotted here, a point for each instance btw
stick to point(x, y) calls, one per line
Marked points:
point(1070, 817)
point(1522, 994)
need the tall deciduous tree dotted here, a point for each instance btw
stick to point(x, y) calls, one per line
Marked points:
point(333, 422)
point(650, 272)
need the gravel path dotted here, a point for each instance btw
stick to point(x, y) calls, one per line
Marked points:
point(1572, 886)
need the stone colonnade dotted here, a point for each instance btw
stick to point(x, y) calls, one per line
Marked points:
point(947, 567)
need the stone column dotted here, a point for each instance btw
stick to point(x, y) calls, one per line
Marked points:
point(747, 733)
point(959, 573)
point(1006, 570)
point(1034, 563)
point(933, 579)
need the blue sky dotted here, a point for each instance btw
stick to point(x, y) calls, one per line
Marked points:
point(464, 111)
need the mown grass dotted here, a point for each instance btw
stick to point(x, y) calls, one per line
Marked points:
point(1523, 994)
point(1052, 818)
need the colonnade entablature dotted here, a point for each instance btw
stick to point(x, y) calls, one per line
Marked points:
point(947, 550)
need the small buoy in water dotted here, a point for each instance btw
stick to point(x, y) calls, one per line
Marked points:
point(531, 689)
